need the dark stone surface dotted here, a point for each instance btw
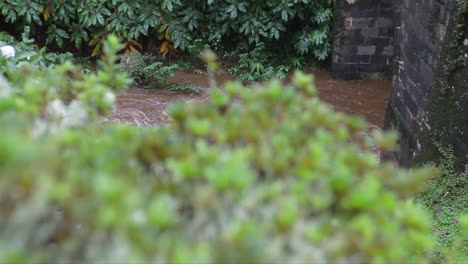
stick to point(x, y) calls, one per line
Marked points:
point(363, 40)
point(429, 101)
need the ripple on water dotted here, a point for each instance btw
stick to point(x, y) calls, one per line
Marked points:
point(148, 107)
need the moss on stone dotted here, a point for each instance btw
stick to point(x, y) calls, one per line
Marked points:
point(447, 118)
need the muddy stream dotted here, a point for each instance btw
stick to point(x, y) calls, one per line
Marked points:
point(148, 107)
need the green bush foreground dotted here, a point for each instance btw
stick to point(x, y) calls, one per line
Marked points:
point(266, 175)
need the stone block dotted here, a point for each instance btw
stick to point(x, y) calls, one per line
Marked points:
point(406, 3)
point(380, 60)
point(364, 59)
point(413, 74)
point(380, 41)
point(360, 23)
point(370, 32)
point(410, 103)
point(358, 39)
point(347, 40)
point(348, 22)
point(365, 50)
point(385, 32)
point(384, 23)
point(411, 59)
point(352, 59)
point(427, 74)
point(387, 51)
point(386, 12)
point(381, 68)
point(374, 76)
point(350, 50)
point(400, 107)
point(364, 68)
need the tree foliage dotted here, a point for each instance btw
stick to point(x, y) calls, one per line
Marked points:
point(287, 27)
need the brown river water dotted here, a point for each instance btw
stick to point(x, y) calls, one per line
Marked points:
point(148, 107)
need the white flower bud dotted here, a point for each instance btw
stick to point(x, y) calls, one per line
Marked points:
point(56, 110)
point(8, 51)
point(76, 114)
point(109, 97)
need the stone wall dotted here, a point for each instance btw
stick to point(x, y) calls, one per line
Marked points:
point(363, 39)
point(424, 92)
point(422, 45)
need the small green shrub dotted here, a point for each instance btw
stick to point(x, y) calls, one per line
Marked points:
point(157, 72)
point(447, 200)
point(267, 175)
point(151, 72)
point(257, 65)
point(186, 88)
point(147, 71)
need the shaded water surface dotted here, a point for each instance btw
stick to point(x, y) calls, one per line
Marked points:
point(148, 107)
point(365, 98)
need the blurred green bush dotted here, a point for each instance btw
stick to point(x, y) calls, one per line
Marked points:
point(264, 175)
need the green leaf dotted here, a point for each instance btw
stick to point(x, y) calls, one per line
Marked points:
point(62, 33)
point(284, 15)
